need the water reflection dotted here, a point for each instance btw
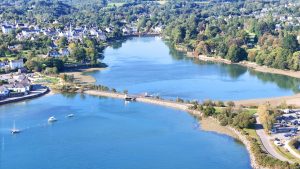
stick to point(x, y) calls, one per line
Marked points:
point(235, 71)
point(282, 81)
point(149, 64)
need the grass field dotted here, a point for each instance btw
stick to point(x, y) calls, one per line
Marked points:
point(117, 4)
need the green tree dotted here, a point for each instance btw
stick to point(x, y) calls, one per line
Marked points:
point(294, 61)
point(236, 54)
point(62, 42)
point(290, 42)
point(243, 120)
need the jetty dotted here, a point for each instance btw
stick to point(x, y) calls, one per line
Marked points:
point(31, 95)
point(142, 98)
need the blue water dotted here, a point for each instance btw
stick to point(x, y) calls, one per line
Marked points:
point(109, 134)
point(148, 64)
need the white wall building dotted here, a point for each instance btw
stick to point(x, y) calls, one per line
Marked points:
point(16, 64)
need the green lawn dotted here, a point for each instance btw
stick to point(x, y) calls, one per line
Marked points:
point(47, 79)
point(285, 153)
point(117, 4)
point(9, 58)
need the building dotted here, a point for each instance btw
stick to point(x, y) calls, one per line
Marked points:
point(6, 29)
point(64, 52)
point(4, 91)
point(53, 53)
point(16, 64)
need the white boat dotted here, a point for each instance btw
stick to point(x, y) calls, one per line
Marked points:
point(70, 115)
point(14, 130)
point(52, 119)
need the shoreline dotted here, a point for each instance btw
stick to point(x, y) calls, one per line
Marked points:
point(274, 101)
point(80, 77)
point(33, 95)
point(227, 130)
point(289, 100)
point(252, 65)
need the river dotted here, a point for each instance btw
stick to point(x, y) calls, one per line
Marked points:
point(110, 134)
point(148, 64)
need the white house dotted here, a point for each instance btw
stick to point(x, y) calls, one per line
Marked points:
point(2, 65)
point(53, 53)
point(4, 91)
point(6, 29)
point(64, 52)
point(20, 88)
point(16, 64)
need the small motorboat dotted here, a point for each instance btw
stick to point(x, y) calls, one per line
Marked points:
point(14, 130)
point(70, 115)
point(52, 119)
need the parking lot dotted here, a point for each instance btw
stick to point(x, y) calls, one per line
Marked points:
point(286, 127)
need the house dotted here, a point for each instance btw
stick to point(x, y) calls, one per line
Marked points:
point(108, 30)
point(64, 52)
point(16, 64)
point(53, 53)
point(4, 91)
point(158, 29)
point(6, 29)
point(2, 65)
point(21, 25)
point(126, 31)
point(19, 88)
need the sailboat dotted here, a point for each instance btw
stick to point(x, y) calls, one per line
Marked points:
point(14, 130)
point(52, 119)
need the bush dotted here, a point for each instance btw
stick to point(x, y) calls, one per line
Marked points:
point(208, 103)
point(220, 104)
point(243, 120)
point(209, 111)
point(230, 104)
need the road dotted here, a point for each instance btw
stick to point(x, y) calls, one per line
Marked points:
point(265, 139)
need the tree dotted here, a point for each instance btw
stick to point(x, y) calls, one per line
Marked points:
point(267, 116)
point(243, 120)
point(78, 54)
point(294, 61)
point(290, 42)
point(236, 54)
point(178, 34)
point(62, 42)
point(209, 111)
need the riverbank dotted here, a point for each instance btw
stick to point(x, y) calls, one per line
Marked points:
point(32, 95)
point(275, 101)
point(253, 66)
point(80, 77)
point(212, 125)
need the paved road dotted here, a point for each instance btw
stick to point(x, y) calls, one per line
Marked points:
point(265, 139)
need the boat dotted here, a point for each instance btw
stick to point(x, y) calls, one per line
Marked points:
point(129, 98)
point(52, 119)
point(70, 115)
point(14, 130)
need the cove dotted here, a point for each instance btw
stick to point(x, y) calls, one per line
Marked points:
point(109, 134)
point(148, 64)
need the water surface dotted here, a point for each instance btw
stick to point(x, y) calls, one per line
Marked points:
point(148, 64)
point(109, 134)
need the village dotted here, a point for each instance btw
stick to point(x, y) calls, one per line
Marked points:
point(18, 86)
point(32, 32)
